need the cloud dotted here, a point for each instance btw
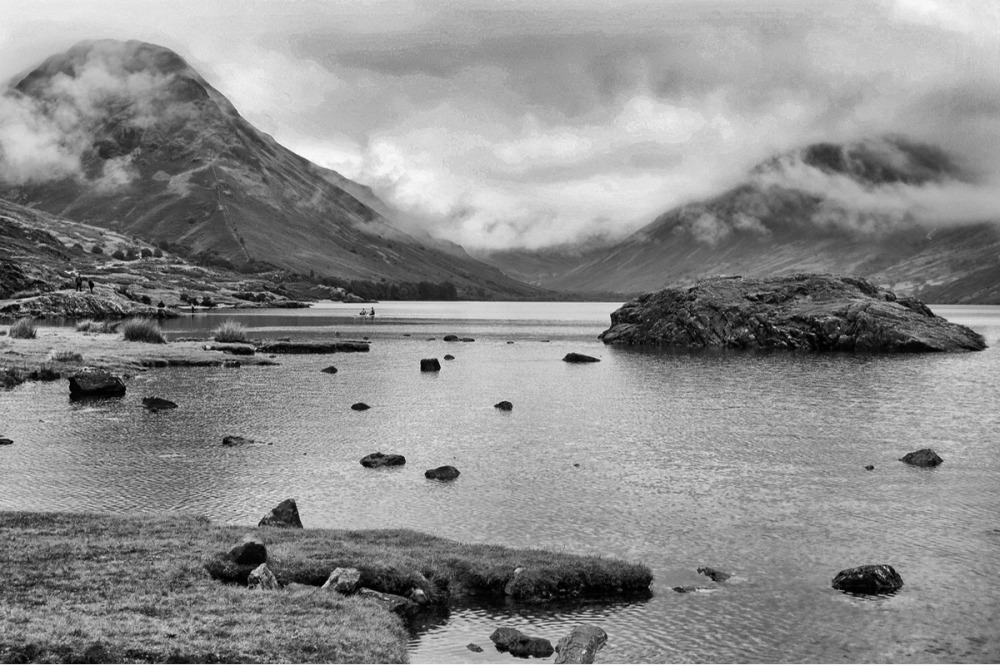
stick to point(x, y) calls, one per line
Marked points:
point(536, 123)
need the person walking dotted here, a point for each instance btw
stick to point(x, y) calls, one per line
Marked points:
point(90, 283)
point(79, 283)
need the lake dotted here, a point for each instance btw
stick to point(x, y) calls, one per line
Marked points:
point(753, 463)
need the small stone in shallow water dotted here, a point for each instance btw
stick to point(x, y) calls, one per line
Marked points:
point(449, 357)
point(360, 406)
point(377, 460)
point(869, 580)
point(504, 406)
point(579, 358)
point(870, 467)
point(442, 473)
point(329, 370)
point(6, 442)
point(430, 365)
point(922, 457)
point(474, 647)
point(713, 574)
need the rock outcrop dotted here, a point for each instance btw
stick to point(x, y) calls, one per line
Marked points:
point(73, 305)
point(922, 457)
point(378, 460)
point(285, 514)
point(869, 580)
point(807, 312)
point(581, 645)
point(95, 383)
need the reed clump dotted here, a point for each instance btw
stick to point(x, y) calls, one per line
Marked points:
point(24, 329)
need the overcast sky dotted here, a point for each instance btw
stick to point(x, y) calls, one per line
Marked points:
point(535, 122)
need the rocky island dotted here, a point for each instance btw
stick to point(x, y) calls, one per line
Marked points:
point(805, 311)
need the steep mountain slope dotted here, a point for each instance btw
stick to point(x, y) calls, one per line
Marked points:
point(825, 208)
point(142, 144)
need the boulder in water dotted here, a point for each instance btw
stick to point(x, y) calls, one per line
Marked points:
point(360, 406)
point(573, 357)
point(922, 457)
point(329, 370)
point(713, 574)
point(430, 365)
point(521, 645)
point(378, 460)
point(504, 406)
point(869, 580)
point(285, 514)
point(442, 473)
point(157, 403)
point(95, 383)
point(581, 645)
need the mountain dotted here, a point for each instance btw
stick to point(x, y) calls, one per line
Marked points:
point(825, 208)
point(139, 143)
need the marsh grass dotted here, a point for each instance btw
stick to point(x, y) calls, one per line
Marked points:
point(143, 330)
point(66, 356)
point(92, 588)
point(24, 329)
point(230, 331)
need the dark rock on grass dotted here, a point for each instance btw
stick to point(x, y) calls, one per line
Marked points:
point(262, 579)
point(378, 460)
point(158, 404)
point(474, 647)
point(868, 580)
point(360, 406)
point(521, 645)
point(329, 370)
point(581, 645)
point(691, 589)
point(870, 467)
point(343, 580)
point(449, 357)
point(285, 514)
point(396, 604)
point(95, 383)
point(806, 312)
point(579, 358)
point(450, 338)
point(713, 574)
point(6, 442)
point(249, 552)
point(504, 406)
point(923, 457)
point(430, 365)
point(347, 346)
point(442, 473)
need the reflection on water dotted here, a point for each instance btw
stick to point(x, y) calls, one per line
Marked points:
point(751, 463)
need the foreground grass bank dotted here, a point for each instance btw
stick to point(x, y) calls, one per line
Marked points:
point(97, 588)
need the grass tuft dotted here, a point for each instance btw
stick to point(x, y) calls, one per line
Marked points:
point(143, 330)
point(230, 331)
point(97, 326)
point(66, 356)
point(24, 329)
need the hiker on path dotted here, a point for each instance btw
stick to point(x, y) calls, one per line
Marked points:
point(90, 283)
point(79, 283)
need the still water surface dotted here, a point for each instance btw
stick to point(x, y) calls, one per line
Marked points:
point(751, 463)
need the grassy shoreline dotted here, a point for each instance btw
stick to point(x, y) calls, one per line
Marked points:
point(103, 588)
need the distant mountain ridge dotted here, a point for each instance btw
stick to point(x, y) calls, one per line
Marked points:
point(825, 208)
point(151, 150)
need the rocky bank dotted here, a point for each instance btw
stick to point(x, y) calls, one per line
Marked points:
point(805, 311)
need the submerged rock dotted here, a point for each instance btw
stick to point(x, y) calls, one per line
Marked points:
point(157, 404)
point(504, 406)
point(285, 514)
point(579, 358)
point(249, 552)
point(922, 457)
point(347, 346)
point(343, 580)
point(521, 645)
point(581, 645)
point(442, 473)
point(430, 365)
point(805, 311)
point(95, 383)
point(713, 574)
point(378, 460)
point(233, 441)
point(870, 580)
